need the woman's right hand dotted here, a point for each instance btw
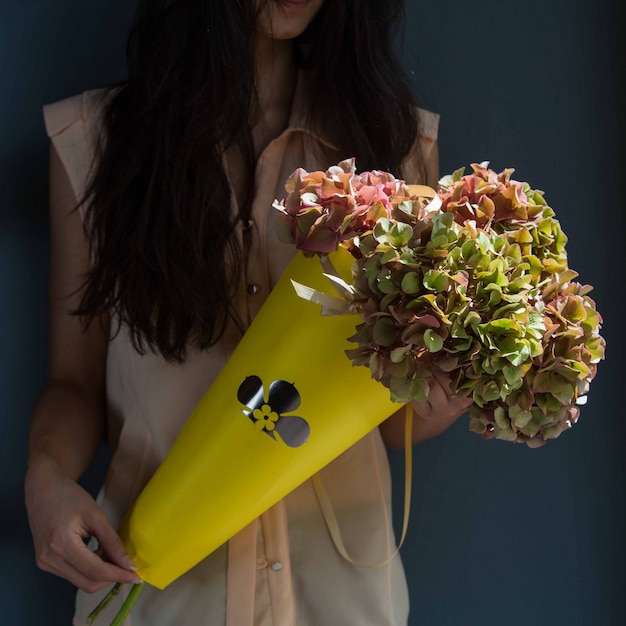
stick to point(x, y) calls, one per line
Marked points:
point(62, 515)
point(68, 420)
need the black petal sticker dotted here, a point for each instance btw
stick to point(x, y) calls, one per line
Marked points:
point(283, 396)
point(293, 430)
point(251, 392)
point(267, 415)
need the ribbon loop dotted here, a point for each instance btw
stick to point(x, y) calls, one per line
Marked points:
point(330, 304)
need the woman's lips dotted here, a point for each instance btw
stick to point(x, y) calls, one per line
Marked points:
point(294, 5)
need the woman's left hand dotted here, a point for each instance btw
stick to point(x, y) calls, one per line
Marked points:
point(431, 417)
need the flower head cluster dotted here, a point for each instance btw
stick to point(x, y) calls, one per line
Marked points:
point(326, 209)
point(479, 288)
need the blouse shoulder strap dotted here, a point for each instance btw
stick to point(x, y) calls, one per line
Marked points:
point(429, 124)
point(72, 125)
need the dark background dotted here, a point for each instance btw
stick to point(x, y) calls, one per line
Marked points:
point(500, 534)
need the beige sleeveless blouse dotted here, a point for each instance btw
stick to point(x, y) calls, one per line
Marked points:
point(283, 569)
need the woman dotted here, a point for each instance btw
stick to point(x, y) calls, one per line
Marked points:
point(170, 255)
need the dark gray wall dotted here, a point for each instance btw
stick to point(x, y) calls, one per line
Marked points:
point(49, 49)
point(500, 534)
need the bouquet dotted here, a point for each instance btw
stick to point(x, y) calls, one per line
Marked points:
point(471, 279)
point(474, 282)
point(283, 402)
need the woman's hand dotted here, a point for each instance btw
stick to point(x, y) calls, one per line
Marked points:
point(68, 420)
point(431, 417)
point(62, 515)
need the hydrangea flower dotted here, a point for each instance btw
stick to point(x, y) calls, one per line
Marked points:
point(480, 288)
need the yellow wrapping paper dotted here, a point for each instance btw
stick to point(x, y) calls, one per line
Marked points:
point(241, 451)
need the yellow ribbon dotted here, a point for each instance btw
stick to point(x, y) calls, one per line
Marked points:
point(342, 306)
point(331, 305)
point(329, 513)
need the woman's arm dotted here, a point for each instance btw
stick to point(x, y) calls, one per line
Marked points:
point(67, 423)
point(430, 418)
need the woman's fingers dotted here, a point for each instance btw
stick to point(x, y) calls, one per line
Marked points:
point(62, 515)
point(78, 579)
point(441, 402)
point(443, 381)
point(433, 416)
point(67, 555)
point(96, 570)
point(110, 546)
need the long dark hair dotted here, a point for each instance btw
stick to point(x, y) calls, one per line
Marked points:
point(167, 261)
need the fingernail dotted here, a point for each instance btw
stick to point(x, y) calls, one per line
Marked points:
point(136, 580)
point(129, 564)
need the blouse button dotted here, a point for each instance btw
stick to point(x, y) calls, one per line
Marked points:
point(252, 289)
point(277, 566)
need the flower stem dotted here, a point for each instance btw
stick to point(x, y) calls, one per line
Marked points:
point(126, 607)
point(91, 618)
point(128, 604)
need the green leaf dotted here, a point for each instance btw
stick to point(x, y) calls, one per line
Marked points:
point(514, 308)
point(363, 334)
point(407, 206)
point(596, 349)
point(439, 241)
point(386, 284)
point(484, 242)
point(433, 341)
point(535, 321)
point(530, 429)
point(505, 434)
point(495, 277)
point(414, 334)
point(448, 363)
point(553, 266)
point(442, 223)
point(419, 390)
point(552, 383)
point(458, 330)
point(386, 301)
point(381, 228)
point(468, 249)
point(519, 417)
point(401, 234)
point(472, 319)
point(435, 281)
point(358, 356)
point(400, 388)
point(375, 365)
point(490, 391)
point(552, 432)
point(396, 234)
point(385, 331)
point(402, 368)
point(512, 373)
point(504, 327)
point(563, 392)
point(411, 283)
point(501, 417)
point(390, 255)
point(521, 355)
point(398, 354)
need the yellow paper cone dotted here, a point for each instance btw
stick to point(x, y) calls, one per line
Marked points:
point(287, 403)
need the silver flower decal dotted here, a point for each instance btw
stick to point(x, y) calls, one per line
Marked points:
point(268, 414)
